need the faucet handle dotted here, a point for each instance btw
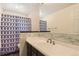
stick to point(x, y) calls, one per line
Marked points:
point(47, 40)
point(53, 42)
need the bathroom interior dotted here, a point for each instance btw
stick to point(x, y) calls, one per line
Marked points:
point(39, 29)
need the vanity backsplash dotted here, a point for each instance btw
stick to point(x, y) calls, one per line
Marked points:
point(66, 38)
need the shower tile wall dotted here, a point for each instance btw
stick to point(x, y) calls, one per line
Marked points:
point(43, 25)
point(10, 28)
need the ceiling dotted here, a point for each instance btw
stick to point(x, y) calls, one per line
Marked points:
point(25, 8)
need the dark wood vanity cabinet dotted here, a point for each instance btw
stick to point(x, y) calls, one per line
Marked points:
point(31, 51)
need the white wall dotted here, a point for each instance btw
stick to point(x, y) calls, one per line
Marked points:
point(35, 18)
point(64, 19)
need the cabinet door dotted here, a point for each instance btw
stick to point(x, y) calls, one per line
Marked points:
point(31, 51)
point(34, 52)
point(40, 54)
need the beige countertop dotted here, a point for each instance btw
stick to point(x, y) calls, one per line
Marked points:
point(51, 50)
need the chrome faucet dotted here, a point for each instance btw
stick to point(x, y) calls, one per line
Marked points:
point(50, 41)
